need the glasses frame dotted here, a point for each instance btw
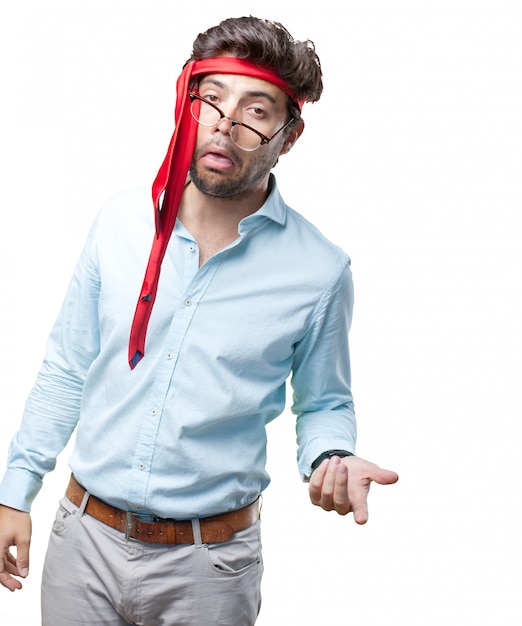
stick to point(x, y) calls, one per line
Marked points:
point(193, 95)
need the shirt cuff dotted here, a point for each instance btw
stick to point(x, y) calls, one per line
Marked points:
point(19, 488)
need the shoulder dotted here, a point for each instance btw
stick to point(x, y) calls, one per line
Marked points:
point(304, 236)
point(124, 225)
point(311, 234)
point(125, 214)
point(313, 249)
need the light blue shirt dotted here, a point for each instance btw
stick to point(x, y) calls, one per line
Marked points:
point(183, 434)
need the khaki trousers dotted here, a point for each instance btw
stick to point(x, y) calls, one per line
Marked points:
point(94, 575)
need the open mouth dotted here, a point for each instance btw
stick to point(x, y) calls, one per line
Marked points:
point(217, 160)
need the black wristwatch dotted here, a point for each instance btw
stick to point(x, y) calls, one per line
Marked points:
point(328, 455)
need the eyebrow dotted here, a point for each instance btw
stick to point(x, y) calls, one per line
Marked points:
point(257, 93)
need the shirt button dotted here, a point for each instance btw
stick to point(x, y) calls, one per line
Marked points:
point(192, 247)
point(154, 411)
point(141, 466)
point(188, 302)
point(169, 355)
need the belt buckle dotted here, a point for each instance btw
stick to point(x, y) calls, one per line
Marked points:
point(131, 517)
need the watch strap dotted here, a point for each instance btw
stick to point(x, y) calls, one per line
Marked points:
point(328, 455)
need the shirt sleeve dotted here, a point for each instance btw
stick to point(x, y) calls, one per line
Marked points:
point(321, 377)
point(52, 408)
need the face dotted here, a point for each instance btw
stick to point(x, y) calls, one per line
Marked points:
point(219, 168)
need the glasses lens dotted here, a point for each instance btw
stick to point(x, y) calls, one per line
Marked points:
point(207, 114)
point(244, 138)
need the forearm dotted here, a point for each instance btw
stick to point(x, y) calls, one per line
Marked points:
point(321, 379)
point(50, 416)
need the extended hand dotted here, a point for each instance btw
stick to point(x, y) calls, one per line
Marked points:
point(342, 485)
point(15, 530)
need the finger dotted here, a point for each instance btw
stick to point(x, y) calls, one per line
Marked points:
point(316, 482)
point(317, 477)
point(7, 581)
point(341, 500)
point(10, 565)
point(11, 569)
point(358, 494)
point(328, 487)
point(322, 484)
point(8, 569)
point(18, 566)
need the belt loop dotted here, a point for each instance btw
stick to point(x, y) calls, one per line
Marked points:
point(128, 525)
point(196, 531)
point(85, 498)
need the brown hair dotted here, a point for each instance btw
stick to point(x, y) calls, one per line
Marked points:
point(266, 43)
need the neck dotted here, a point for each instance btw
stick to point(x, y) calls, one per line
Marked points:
point(214, 222)
point(201, 210)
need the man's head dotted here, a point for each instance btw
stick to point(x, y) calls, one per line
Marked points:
point(267, 44)
point(228, 103)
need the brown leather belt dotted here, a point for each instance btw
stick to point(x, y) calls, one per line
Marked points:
point(214, 529)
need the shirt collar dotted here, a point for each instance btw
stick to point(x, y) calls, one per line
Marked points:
point(274, 208)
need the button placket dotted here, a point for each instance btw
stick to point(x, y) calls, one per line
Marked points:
point(192, 285)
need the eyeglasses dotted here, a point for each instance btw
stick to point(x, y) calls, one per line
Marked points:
point(245, 137)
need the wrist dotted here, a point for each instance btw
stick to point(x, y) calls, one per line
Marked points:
point(328, 454)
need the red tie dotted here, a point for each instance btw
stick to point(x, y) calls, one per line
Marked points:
point(171, 179)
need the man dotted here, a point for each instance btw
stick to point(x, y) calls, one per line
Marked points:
point(170, 395)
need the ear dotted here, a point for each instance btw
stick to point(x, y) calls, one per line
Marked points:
point(292, 137)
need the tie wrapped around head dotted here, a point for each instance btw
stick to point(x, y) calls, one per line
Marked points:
point(171, 178)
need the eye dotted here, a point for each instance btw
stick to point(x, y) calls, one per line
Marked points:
point(257, 112)
point(210, 97)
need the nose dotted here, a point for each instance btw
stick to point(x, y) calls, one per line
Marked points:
point(225, 125)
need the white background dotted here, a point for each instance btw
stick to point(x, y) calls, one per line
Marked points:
point(411, 162)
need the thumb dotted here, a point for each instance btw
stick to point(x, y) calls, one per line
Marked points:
point(385, 477)
point(22, 558)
